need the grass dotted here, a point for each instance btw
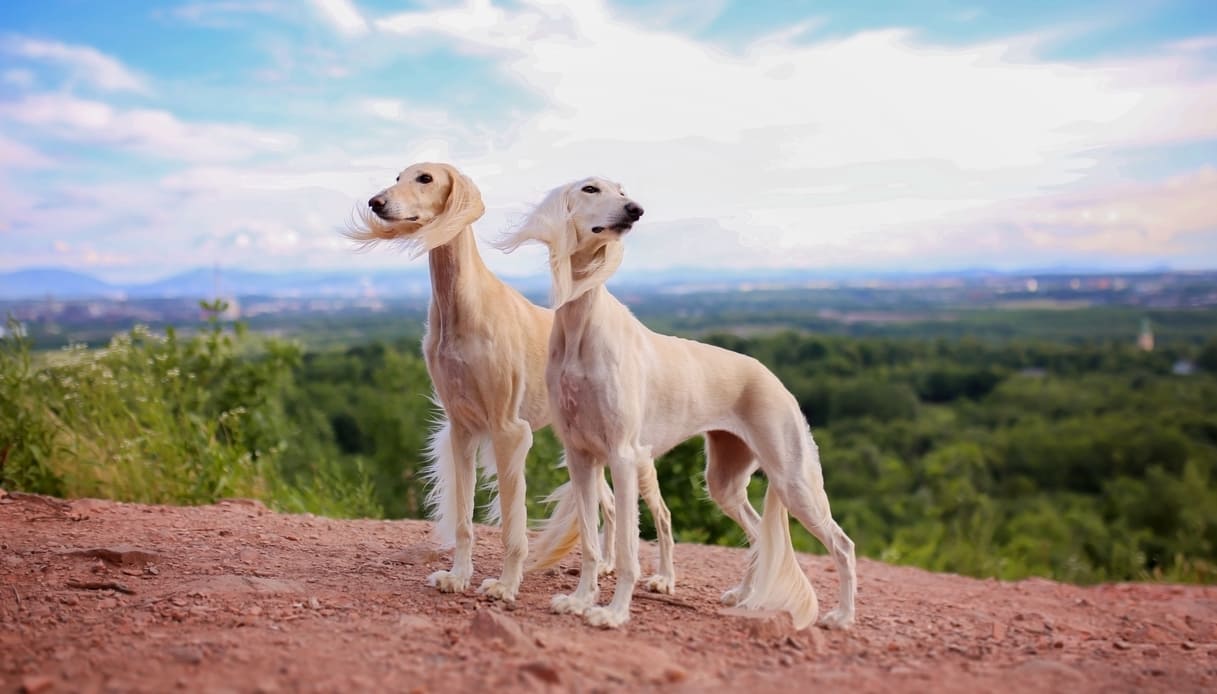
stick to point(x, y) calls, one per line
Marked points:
point(155, 418)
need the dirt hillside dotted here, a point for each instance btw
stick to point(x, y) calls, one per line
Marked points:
point(101, 596)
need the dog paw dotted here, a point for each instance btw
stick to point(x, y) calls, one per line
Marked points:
point(605, 617)
point(837, 618)
point(661, 584)
point(568, 604)
point(735, 596)
point(448, 582)
point(494, 588)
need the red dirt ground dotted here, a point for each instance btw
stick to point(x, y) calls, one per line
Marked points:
point(234, 598)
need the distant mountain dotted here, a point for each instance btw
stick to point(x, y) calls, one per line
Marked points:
point(66, 284)
point(40, 282)
point(204, 283)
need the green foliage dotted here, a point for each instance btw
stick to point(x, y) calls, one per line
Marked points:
point(158, 419)
point(1084, 460)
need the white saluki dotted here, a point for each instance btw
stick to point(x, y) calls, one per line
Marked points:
point(623, 395)
point(485, 347)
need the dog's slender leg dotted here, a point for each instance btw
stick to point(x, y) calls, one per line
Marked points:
point(608, 554)
point(625, 467)
point(510, 451)
point(455, 477)
point(664, 580)
point(809, 504)
point(583, 477)
point(729, 467)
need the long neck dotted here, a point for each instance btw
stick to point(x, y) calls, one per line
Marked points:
point(573, 319)
point(457, 277)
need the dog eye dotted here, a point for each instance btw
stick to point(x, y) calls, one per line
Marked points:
point(591, 189)
point(398, 179)
point(424, 178)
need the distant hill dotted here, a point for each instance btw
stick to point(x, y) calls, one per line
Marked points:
point(202, 283)
point(34, 283)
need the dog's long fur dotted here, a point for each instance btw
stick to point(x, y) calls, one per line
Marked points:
point(485, 348)
point(623, 395)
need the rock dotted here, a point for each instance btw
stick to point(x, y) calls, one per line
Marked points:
point(541, 671)
point(493, 625)
point(191, 655)
point(314, 603)
point(247, 555)
point(675, 674)
point(119, 555)
point(36, 683)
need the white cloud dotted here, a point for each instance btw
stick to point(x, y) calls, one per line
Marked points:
point(811, 145)
point(83, 62)
point(17, 155)
point(878, 149)
point(343, 16)
point(147, 131)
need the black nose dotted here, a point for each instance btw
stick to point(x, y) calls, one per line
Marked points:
point(634, 211)
point(377, 203)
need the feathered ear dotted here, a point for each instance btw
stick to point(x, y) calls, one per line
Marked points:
point(550, 223)
point(463, 207)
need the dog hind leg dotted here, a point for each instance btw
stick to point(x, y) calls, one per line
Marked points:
point(664, 580)
point(729, 466)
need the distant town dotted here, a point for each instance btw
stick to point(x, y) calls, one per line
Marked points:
point(57, 305)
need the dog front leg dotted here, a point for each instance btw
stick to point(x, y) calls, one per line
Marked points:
point(454, 476)
point(510, 451)
point(625, 493)
point(583, 476)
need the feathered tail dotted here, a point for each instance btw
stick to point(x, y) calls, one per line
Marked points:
point(559, 533)
point(778, 581)
point(445, 477)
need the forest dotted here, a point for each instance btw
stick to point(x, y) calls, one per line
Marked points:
point(1049, 451)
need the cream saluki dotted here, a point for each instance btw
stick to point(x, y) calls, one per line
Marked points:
point(485, 348)
point(623, 395)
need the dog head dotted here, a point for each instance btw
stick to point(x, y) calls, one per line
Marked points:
point(582, 224)
point(425, 208)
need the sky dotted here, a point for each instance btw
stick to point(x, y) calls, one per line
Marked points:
point(138, 139)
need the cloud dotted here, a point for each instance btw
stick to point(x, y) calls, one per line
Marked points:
point(343, 16)
point(18, 77)
point(150, 132)
point(17, 155)
point(819, 150)
point(83, 62)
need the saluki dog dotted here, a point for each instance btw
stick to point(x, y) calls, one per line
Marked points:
point(485, 348)
point(623, 395)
